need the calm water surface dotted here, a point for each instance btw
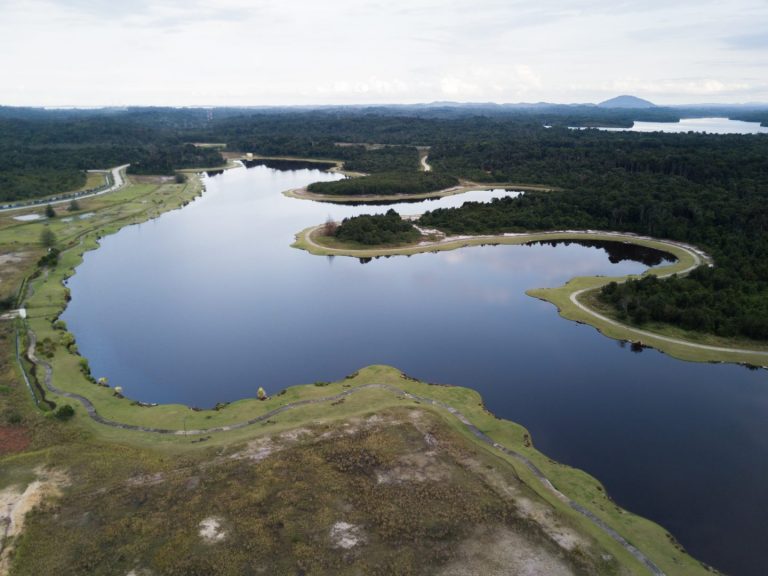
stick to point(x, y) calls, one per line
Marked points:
point(709, 125)
point(208, 303)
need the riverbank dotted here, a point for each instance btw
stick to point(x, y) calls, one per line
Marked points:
point(463, 187)
point(576, 299)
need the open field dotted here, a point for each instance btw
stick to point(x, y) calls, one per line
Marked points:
point(93, 180)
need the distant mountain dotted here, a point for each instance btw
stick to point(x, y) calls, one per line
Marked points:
point(627, 102)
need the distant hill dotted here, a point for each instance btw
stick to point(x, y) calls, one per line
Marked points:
point(627, 102)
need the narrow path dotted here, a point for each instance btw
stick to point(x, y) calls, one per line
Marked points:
point(479, 434)
point(117, 182)
point(697, 262)
point(424, 166)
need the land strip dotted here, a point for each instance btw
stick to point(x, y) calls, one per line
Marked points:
point(463, 187)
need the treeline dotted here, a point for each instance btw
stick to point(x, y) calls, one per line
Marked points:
point(705, 189)
point(386, 183)
point(43, 153)
point(707, 300)
point(377, 230)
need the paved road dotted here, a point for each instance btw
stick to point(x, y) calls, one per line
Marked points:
point(117, 182)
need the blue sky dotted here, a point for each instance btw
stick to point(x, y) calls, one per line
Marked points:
point(263, 52)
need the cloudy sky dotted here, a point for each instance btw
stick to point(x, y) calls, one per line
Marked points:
point(257, 52)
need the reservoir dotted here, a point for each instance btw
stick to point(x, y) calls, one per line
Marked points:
point(207, 303)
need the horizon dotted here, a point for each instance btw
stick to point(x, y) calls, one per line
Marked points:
point(434, 103)
point(237, 53)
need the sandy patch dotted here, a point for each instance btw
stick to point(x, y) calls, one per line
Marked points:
point(257, 450)
point(146, 479)
point(12, 258)
point(346, 536)
point(15, 503)
point(501, 552)
point(418, 467)
point(211, 530)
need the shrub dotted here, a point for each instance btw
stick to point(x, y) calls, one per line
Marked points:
point(64, 412)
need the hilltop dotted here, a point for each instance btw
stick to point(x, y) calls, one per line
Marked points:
point(626, 101)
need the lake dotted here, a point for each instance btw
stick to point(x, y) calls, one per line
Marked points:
point(709, 125)
point(207, 303)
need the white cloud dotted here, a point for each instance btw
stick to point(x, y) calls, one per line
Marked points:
point(230, 52)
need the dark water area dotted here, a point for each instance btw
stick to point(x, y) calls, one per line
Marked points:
point(617, 251)
point(207, 303)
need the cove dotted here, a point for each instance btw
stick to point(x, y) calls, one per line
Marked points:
point(208, 303)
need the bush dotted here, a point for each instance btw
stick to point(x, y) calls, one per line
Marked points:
point(64, 412)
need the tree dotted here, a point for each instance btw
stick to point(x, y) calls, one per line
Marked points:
point(74, 205)
point(47, 237)
point(119, 391)
point(261, 394)
point(50, 212)
point(330, 227)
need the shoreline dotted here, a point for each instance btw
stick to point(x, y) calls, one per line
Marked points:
point(466, 186)
point(567, 297)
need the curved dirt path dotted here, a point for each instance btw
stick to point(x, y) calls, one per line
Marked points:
point(424, 165)
point(479, 434)
point(574, 297)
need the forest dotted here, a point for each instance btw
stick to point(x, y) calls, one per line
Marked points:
point(386, 183)
point(377, 230)
point(710, 190)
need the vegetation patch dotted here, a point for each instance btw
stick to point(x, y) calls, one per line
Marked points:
point(374, 230)
point(387, 183)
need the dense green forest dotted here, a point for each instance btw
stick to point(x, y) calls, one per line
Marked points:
point(705, 189)
point(377, 229)
point(386, 183)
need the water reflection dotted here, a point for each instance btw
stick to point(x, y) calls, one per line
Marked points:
point(617, 251)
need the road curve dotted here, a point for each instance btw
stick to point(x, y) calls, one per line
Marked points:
point(117, 182)
point(479, 434)
point(697, 258)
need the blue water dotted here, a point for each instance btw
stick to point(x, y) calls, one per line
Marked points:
point(208, 303)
